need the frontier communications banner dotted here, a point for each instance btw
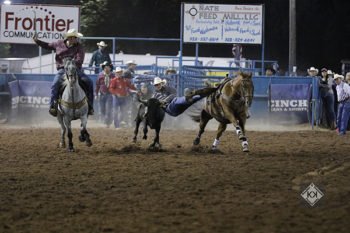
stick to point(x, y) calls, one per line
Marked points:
point(19, 22)
point(215, 23)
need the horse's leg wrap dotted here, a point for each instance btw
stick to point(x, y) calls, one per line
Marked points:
point(215, 143)
point(245, 146)
point(238, 130)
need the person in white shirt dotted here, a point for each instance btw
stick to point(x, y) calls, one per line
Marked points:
point(343, 94)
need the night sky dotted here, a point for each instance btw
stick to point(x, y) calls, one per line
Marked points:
point(323, 30)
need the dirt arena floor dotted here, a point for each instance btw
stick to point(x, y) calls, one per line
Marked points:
point(118, 186)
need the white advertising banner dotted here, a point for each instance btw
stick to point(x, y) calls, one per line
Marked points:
point(19, 22)
point(216, 23)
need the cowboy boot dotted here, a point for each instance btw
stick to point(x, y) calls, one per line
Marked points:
point(91, 109)
point(201, 92)
point(53, 109)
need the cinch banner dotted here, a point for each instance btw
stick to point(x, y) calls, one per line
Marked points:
point(289, 97)
point(19, 22)
point(29, 95)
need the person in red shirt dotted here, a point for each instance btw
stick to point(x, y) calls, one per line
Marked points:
point(102, 92)
point(120, 89)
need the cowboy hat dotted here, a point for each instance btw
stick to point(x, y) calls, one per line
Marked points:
point(336, 76)
point(102, 44)
point(106, 63)
point(157, 81)
point(118, 69)
point(131, 62)
point(312, 69)
point(72, 33)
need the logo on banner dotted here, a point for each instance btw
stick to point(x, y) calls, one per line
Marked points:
point(289, 105)
point(31, 101)
point(20, 22)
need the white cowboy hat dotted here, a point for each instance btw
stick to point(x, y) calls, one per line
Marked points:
point(102, 44)
point(72, 33)
point(157, 81)
point(312, 69)
point(329, 72)
point(118, 69)
point(336, 76)
point(131, 62)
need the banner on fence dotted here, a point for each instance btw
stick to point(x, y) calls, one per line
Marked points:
point(290, 102)
point(19, 22)
point(289, 97)
point(217, 23)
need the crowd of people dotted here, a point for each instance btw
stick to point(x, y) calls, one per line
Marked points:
point(334, 93)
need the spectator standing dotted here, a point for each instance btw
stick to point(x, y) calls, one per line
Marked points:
point(99, 56)
point(343, 93)
point(327, 96)
point(129, 74)
point(270, 71)
point(312, 72)
point(120, 89)
point(102, 92)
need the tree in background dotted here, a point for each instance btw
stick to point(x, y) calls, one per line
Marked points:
point(5, 50)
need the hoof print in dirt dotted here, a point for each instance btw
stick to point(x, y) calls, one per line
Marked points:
point(155, 148)
point(216, 151)
point(130, 148)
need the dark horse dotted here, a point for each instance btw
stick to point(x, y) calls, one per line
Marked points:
point(229, 104)
point(154, 117)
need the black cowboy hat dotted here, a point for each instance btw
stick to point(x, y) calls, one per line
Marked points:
point(106, 63)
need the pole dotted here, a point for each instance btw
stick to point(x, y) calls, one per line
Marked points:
point(263, 41)
point(292, 36)
point(180, 81)
point(197, 54)
point(114, 46)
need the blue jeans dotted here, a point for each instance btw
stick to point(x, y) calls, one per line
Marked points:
point(58, 81)
point(120, 107)
point(343, 117)
point(179, 104)
point(106, 108)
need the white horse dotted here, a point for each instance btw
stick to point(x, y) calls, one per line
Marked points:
point(71, 106)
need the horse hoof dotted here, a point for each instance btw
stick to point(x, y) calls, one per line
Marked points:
point(196, 141)
point(71, 150)
point(88, 143)
point(62, 145)
point(144, 137)
point(134, 140)
point(82, 139)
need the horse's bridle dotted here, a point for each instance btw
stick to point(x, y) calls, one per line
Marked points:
point(248, 97)
point(244, 95)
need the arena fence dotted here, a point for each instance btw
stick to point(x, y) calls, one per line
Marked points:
point(290, 100)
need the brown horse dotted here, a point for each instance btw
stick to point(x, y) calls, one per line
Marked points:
point(229, 104)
